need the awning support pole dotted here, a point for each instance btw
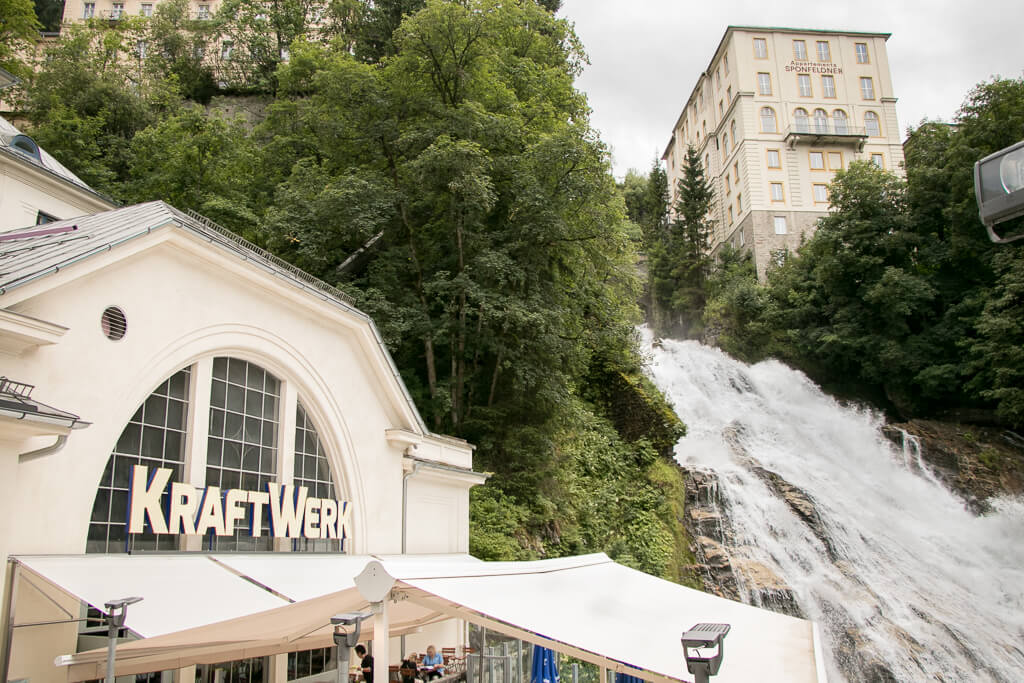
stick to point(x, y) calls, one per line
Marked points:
point(381, 636)
point(12, 598)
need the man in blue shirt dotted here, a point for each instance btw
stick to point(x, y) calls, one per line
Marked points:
point(433, 665)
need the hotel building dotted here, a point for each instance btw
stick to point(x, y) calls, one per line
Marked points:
point(775, 114)
point(79, 10)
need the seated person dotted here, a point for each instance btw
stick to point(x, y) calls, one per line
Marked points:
point(407, 669)
point(433, 665)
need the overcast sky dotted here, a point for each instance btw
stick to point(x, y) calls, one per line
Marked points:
point(645, 55)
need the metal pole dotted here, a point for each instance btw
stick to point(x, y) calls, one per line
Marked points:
point(575, 672)
point(506, 663)
point(342, 658)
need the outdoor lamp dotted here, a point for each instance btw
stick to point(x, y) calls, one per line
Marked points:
point(117, 610)
point(346, 635)
point(999, 189)
point(704, 635)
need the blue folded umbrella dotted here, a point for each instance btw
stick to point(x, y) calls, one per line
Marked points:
point(545, 666)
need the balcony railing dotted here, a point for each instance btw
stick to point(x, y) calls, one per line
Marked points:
point(815, 132)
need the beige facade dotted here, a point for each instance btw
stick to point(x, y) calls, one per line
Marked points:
point(80, 10)
point(775, 114)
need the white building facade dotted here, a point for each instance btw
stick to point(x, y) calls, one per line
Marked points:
point(777, 112)
point(143, 337)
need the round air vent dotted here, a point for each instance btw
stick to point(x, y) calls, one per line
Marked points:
point(113, 323)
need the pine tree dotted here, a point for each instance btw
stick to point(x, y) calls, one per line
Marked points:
point(680, 264)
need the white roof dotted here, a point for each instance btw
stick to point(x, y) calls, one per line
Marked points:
point(587, 606)
point(8, 131)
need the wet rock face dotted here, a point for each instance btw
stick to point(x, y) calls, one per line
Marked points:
point(977, 463)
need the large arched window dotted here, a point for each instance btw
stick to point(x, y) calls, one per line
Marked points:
point(732, 129)
point(239, 449)
point(155, 437)
point(871, 125)
point(820, 121)
point(768, 120)
point(801, 120)
point(839, 121)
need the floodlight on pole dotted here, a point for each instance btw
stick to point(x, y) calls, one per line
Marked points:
point(346, 634)
point(999, 189)
point(701, 665)
point(117, 611)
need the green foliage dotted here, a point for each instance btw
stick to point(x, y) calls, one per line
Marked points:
point(735, 306)
point(50, 13)
point(680, 260)
point(19, 29)
point(647, 202)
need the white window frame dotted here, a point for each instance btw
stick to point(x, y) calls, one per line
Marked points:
point(780, 221)
point(828, 86)
point(763, 52)
point(816, 153)
point(777, 192)
point(823, 51)
point(117, 10)
point(764, 83)
point(867, 88)
point(824, 191)
point(878, 159)
point(768, 158)
point(774, 124)
point(146, 9)
point(875, 130)
point(800, 55)
point(803, 85)
point(862, 53)
point(88, 10)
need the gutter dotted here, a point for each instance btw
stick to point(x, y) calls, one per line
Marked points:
point(405, 501)
point(45, 451)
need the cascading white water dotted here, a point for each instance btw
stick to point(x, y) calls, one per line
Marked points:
point(909, 578)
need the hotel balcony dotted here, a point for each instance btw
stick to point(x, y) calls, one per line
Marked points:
point(826, 132)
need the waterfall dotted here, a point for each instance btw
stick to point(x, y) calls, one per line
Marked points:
point(905, 583)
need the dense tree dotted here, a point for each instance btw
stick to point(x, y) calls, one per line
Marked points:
point(178, 47)
point(19, 29)
point(680, 261)
point(50, 13)
point(647, 202)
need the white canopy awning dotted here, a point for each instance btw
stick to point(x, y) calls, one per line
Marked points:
point(588, 607)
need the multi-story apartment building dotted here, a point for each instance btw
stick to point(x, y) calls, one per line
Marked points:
point(775, 114)
point(80, 10)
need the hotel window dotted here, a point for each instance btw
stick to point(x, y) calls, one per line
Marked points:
point(732, 129)
point(718, 78)
point(877, 160)
point(721, 109)
point(768, 120)
point(700, 99)
point(760, 48)
point(739, 203)
point(725, 145)
point(728, 185)
point(820, 193)
point(204, 12)
point(764, 83)
point(861, 50)
point(140, 49)
point(777, 195)
point(743, 238)
point(728, 94)
point(117, 11)
point(707, 163)
point(871, 125)
point(225, 49)
point(820, 121)
point(835, 161)
point(736, 172)
point(730, 216)
point(42, 218)
point(840, 121)
point(817, 161)
point(802, 120)
point(89, 10)
point(725, 63)
point(239, 449)
point(147, 10)
point(800, 50)
point(867, 88)
point(824, 54)
point(780, 225)
point(803, 84)
point(828, 86)
point(774, 161)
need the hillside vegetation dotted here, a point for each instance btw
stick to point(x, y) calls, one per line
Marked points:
point(435, 161)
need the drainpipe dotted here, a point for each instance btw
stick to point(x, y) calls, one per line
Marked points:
point(405, 495)
point(46, 450)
